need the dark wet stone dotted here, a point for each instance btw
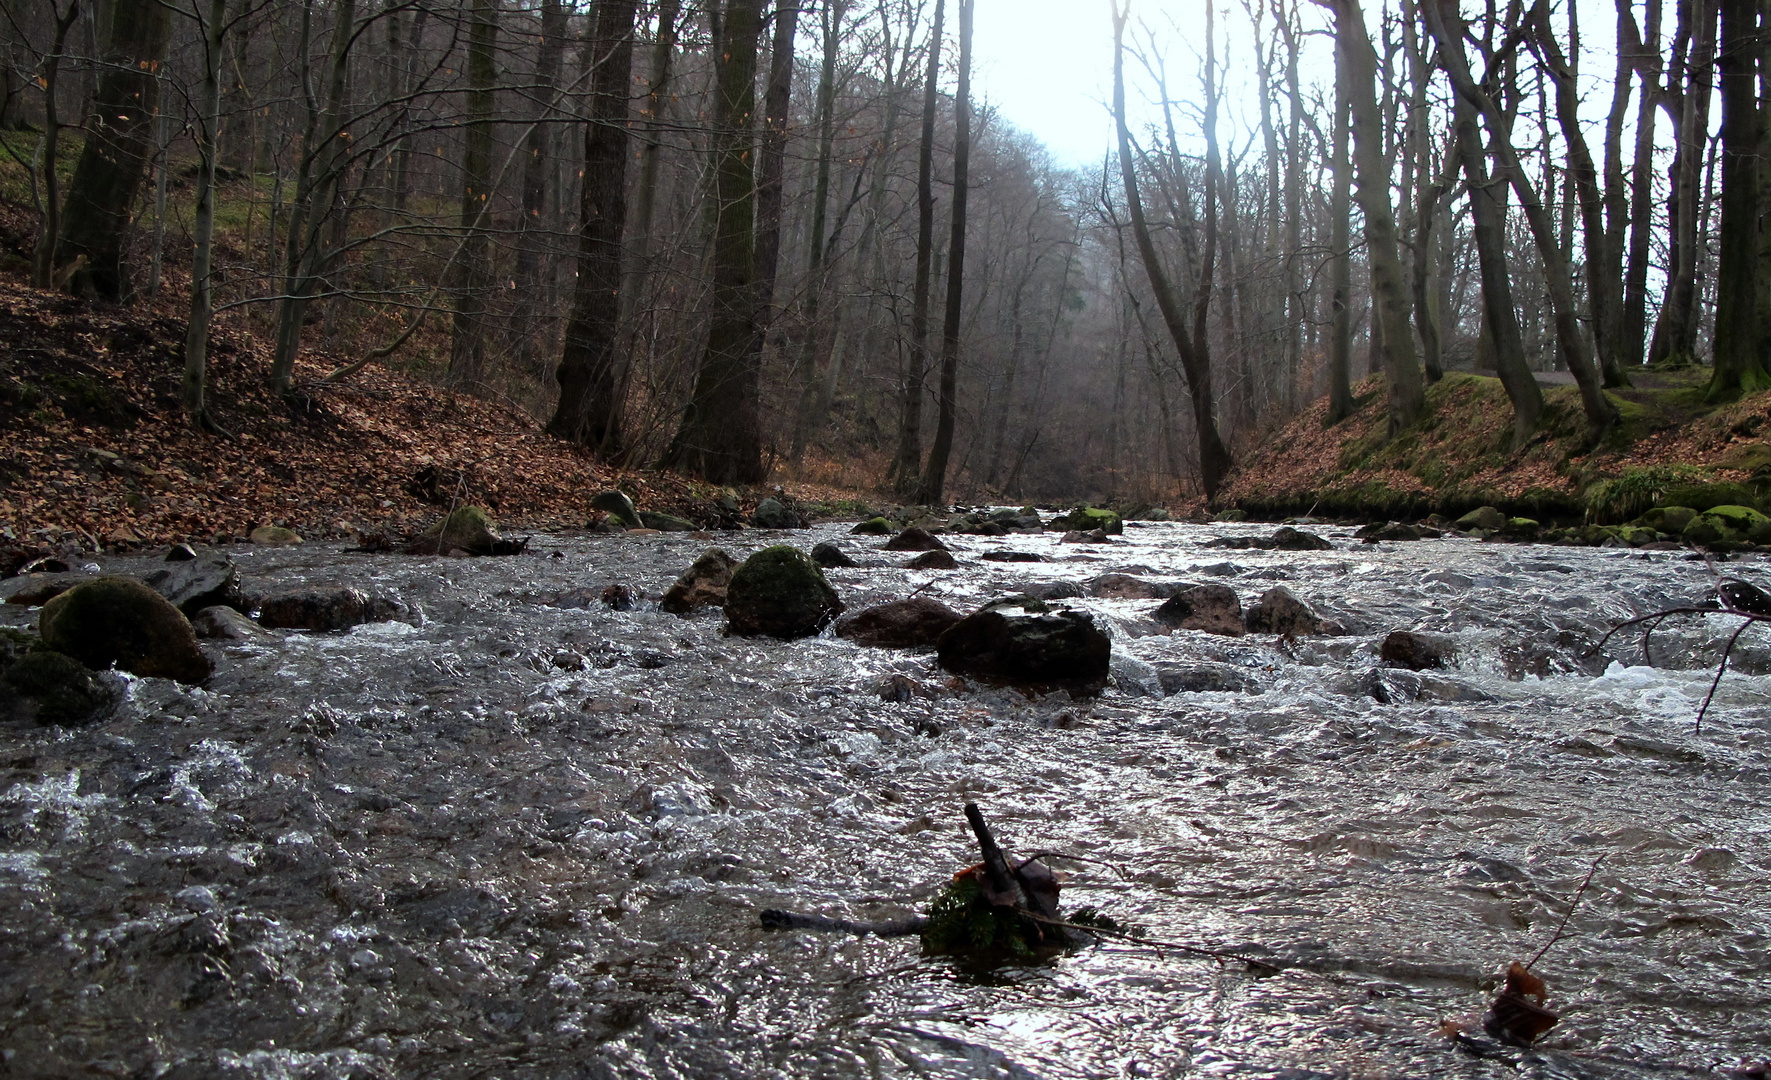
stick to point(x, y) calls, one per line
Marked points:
point(1012, 556)
point(1415, 651)
point(901, 624)
point(225, 624)
point(780, 592)
point(914, 539)
point(774, 514)
point(209, 579)
point(1064, 650)
point(1075, 536)
point(180, 553)
point(933, 560)
point(873, 527)
point(1087, 519)
point(1215, 609)
point(1020, 602)
point(49, 688)
point(116, 620)
point(337, 608)
point(703, 584)
point(1279, 611)
point(830, 556)
point(1388, 530)
point(1205, 677)
point(620, 597)
point(1053, 590)
point(617, 505)
point(1128, 587)
point(666, 522)
point(1290, 539)
point(35, 590)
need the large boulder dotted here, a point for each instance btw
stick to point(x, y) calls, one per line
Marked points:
point(1215, 609)
point(1416, 651)
point(830, 556)
point(328, 609)
point(1667, 519)
point(50, 688)
point(209, 579)
point(1287, 538)
point(1483, 517)
point(914, 539)
point(666, 522)
point(466, 528)
point(1728, 524)
point(117, 620)
point(617, 505)
point(1206, 677)
point(1387, 530)
point(703, 584)
point(780, 592)
point(1063, 650)
point(876, 526)
point(1279, 611)
point(772, 513)
point(222, 623)
point(35, 590)
point(901, 624)
point(933, 560)
point(1087, 519)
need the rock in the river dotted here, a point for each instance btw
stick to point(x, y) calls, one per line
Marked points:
point(901, 624)
point(1279, 611)
point(323, 609)
point(1075, 536)
point(773, 514)
point(1416, 651)
point(1012, 556)
point(466, 528)
point(116, 620)
point(1728, 524)
point(666, 522)
point(1127, 587)
point(1287, 538)
point(619, 597)
point(1087, 519)
point(1063, 650)
point(50, 688)
point(190, 585)
point(274, 536)
point(221, 623)
point(1205, 677)
point(1387, 530)
point(873, 527)
point(933, 560)
point(914, 539)
point(780, 592)
point(617, 505)
point(703, 584)
point(1213, 608)
point(1135, 677)
point(1667, 519)
point(1483, 517)
point(1053, 590)
point(830, 556)
point(35, 590)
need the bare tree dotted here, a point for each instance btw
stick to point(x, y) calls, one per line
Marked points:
point(934, 478)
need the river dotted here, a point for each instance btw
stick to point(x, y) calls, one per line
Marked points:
point(520, 840)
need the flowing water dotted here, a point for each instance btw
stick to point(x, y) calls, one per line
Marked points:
point(521, 840)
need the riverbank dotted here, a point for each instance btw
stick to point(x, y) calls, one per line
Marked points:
point(1669, 448)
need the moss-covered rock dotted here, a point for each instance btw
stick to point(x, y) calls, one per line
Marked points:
point(780, 592)
point(51, 688)
point(1667, 519)
point(1522, 528)
point(1483, 517)
point(1703, 497)
point(467, 528)
point(115, 620)
point(666, 522)
point(703, 584)
point(1728, 524)
point(274, 536)
point(618, 506)
point(877, 526)
point(1088, 519)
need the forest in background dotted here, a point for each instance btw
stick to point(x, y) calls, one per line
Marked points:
point(743, 240)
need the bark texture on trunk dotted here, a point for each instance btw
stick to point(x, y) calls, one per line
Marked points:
point(1740, 338)
point(906, 468)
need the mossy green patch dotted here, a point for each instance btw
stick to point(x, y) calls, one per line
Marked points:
point(1088, 519)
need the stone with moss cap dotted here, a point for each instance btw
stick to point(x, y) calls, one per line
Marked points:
point(115, 620)
point(1667, 519)
point(780, 592)
point(1088, 519)
point(877, 526)
point(1728, 525)
point(1483, 517)
point(618, 506)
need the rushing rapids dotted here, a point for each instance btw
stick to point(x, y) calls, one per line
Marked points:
point(513, 839)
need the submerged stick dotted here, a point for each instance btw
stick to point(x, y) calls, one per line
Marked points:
point(775, 919)
point(1569, 914)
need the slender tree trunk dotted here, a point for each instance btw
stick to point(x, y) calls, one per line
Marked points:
point(906, 468)
point(589, 408)
point(1739, 345)
point(49, 237)
point(805, 416)
point(537, 168)
point(933, 489)
point(1635, 280)
point(472, 268)
point(1214, 458)
point(1402, 375)
point(196, 346)
point(721, 434)
point(772, 162)
point(119, 142)
point(1340, 211)
point(1675, 332)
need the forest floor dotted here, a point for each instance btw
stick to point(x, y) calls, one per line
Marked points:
point(1461, 454)
point(94, 449)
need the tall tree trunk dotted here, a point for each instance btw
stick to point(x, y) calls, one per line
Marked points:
point(772, 162)
point(906, 468)
point(933, 488)
point(1190, 344)
point(589, 409)
point(1739, 345)
point(1402, 375)
point(537, 168)
point(472, 269)
point(720, 438)
point(805, 416)
point(1340, 243)
point(1635, 281)
point(196, 345)
point(118, 143)
point(49, 236)
point(1675, 331)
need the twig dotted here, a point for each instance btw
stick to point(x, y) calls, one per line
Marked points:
point(1569, 914)
point(1219, 955)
